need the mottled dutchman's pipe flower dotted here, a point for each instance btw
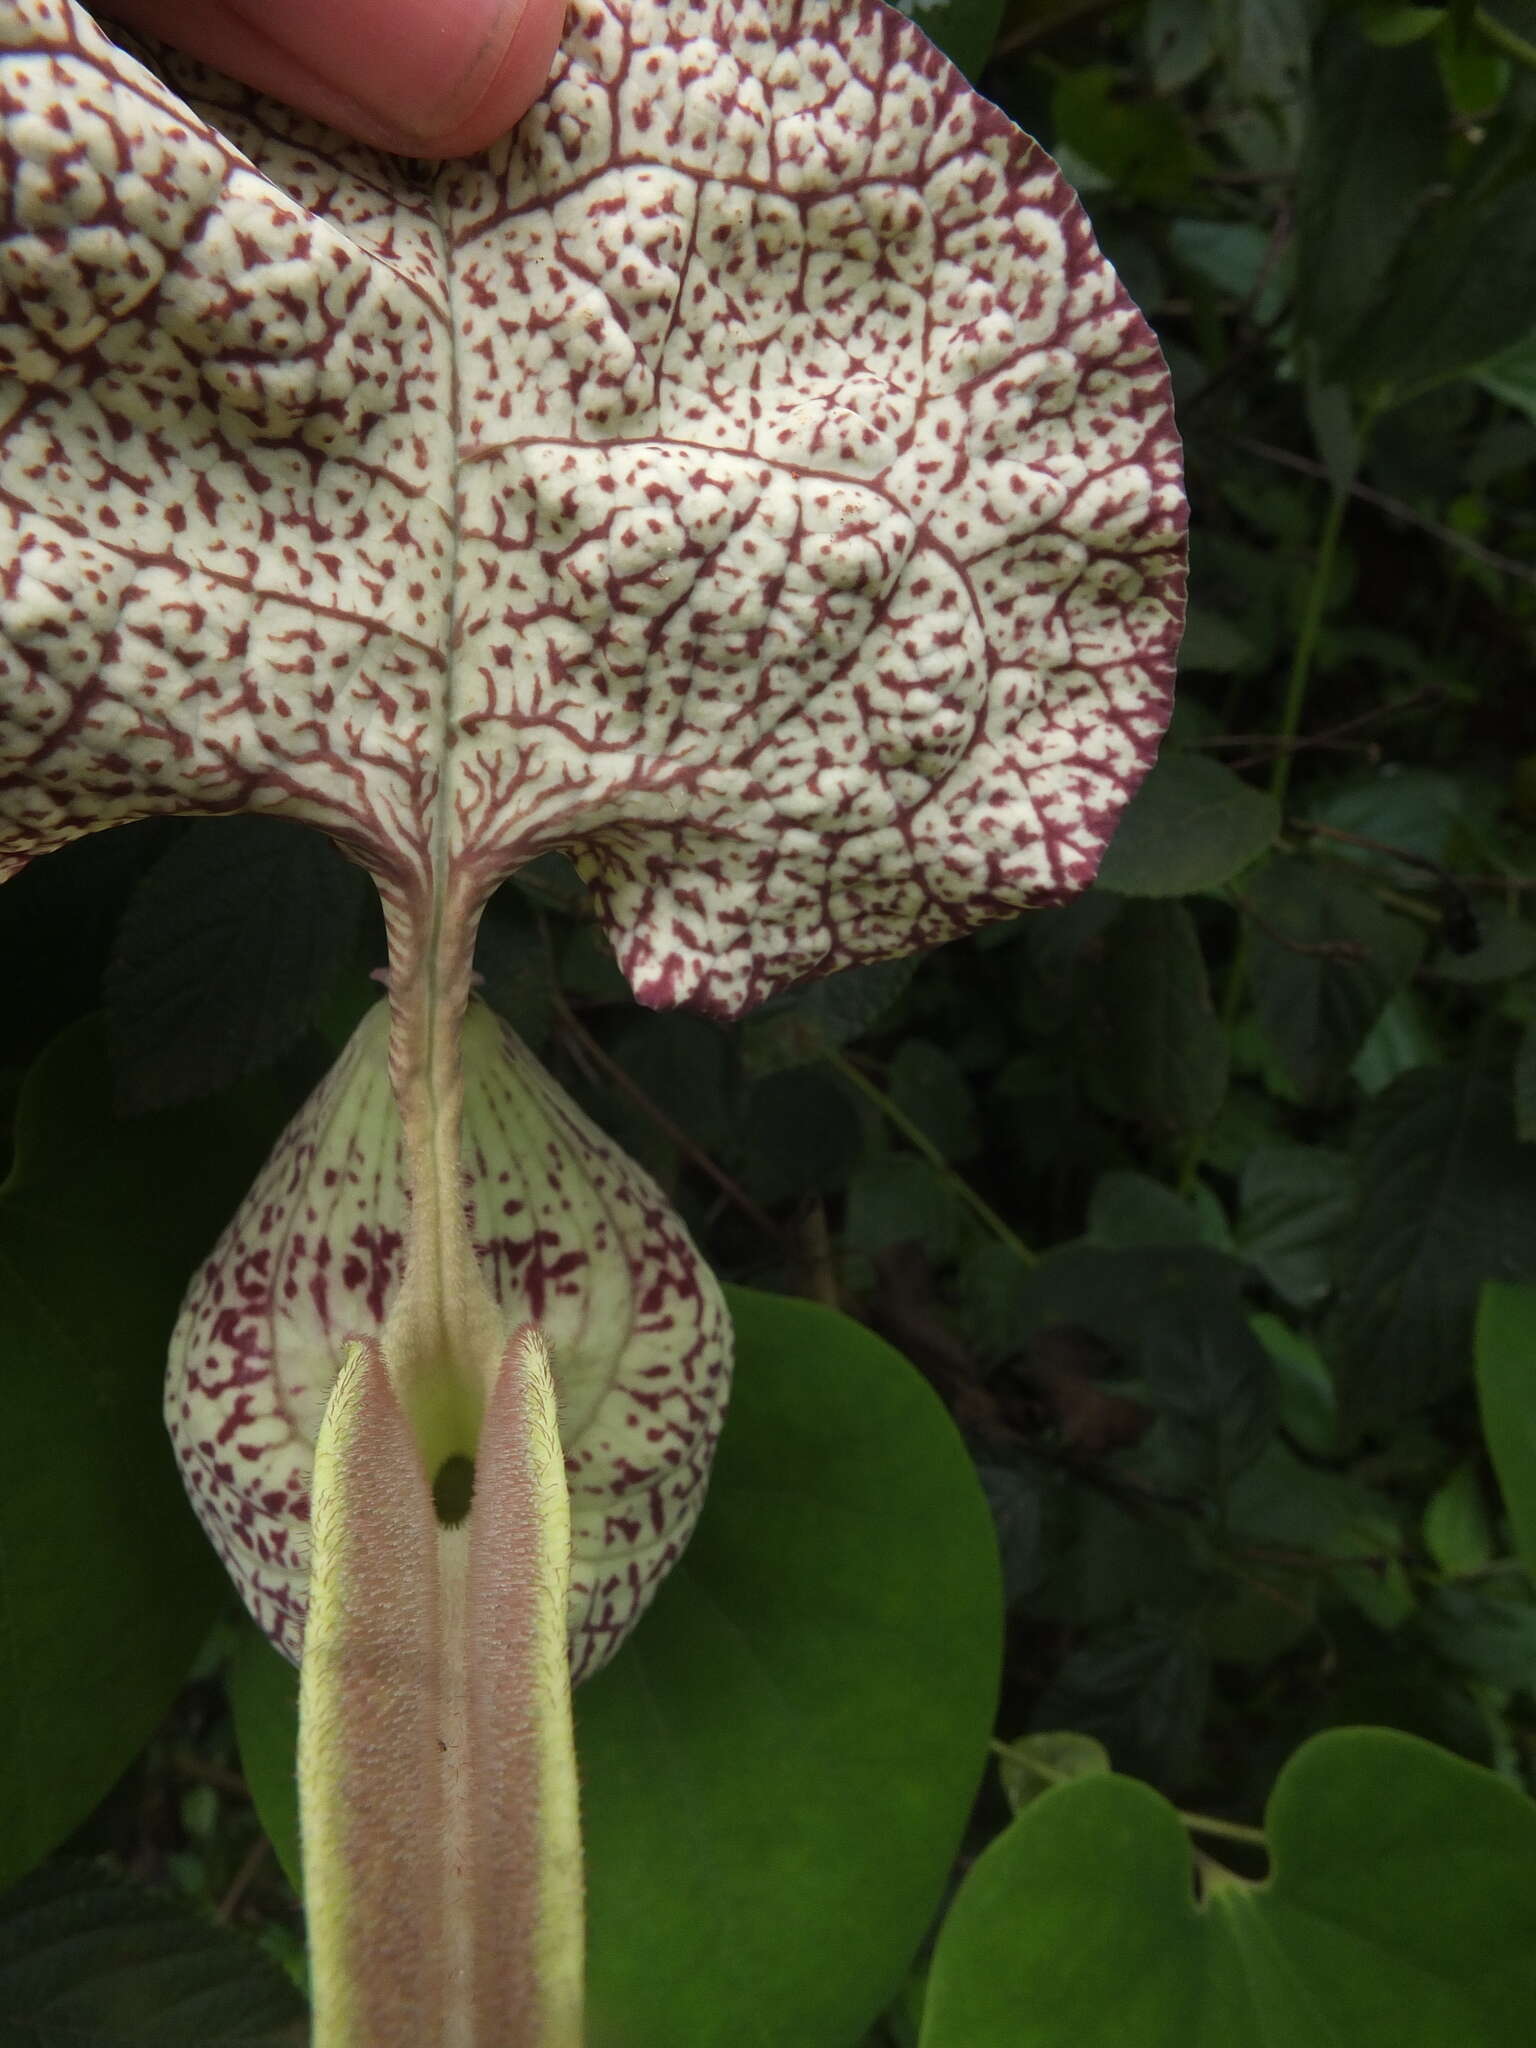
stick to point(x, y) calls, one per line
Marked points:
point(748, 477)
point(568, 1234)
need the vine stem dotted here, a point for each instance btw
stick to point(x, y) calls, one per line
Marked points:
point(1504, 39)
point(1290, 726)
point(919, 1140)
point(1306, 639)
point(1195, 1823)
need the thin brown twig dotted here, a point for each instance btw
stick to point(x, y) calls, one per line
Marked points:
point(572, 1026)
point(1442, 874)
point(244, 1878)
point(1313, 1560)
point(1396, 508)
point(1041, 23)
point(1312, 949)
point(1424, 698)
point(197, 1768)
point(1365, 750)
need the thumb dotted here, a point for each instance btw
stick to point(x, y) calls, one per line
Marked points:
point(422, 77)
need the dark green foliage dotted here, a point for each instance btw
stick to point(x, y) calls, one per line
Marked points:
point(88, 1960)
point(1375, 139)
point(109, 1585)
point(1326, 956)
point(1447, 1199)
point(230, 946)
point(1190, 827)
point(1150, 1049)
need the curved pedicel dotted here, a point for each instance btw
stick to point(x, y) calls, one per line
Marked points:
point(569, 1236)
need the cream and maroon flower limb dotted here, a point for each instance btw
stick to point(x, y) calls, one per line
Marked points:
point(748, 476)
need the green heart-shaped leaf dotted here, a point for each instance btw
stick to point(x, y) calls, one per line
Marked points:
point(1400, 1913)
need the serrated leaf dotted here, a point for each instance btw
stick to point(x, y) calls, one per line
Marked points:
point(1139, 1689)
point(1173, 1316)
point(1374, 142)
point(1133, 1209)
point(1150, 1046)
point(88, 1960)
point(1191, 826)
point(230, 946)
point(1293, 1201)
point(1446, 309)
point(1351, 1530)
point(1215, 1397)
point(1487, 1631)
point(1447, 1202)
point(1080, 1922)
point(896, 1199)
point(1325, 958)
point(1128, 1294)
point(927, 1085)
point(1110, 1562)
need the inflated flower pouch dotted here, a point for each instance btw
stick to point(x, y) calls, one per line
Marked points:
point(567, 1233)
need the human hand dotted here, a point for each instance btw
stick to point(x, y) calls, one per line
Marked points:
point(422, 77)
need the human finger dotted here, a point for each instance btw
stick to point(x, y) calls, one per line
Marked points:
point(421, 77)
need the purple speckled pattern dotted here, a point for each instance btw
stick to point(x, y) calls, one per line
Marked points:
point(747, 476)
point(568, 1233)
